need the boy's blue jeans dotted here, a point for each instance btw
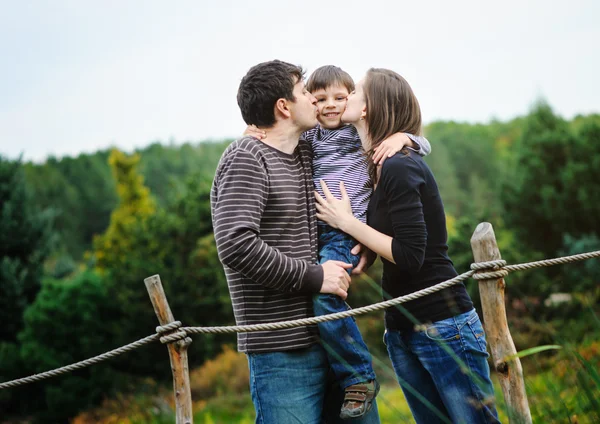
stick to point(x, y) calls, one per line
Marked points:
point(347, 352)
point(295, 387)
point(443, 370)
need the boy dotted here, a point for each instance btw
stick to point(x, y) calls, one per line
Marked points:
point(338, 156)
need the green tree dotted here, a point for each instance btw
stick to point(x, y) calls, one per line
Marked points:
point(25, 242)
point(176, 243)
point(70, 320)
point(555, 186)
point(135, 206)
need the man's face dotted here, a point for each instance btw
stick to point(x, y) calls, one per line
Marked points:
point(303, 110)
point(331, 103)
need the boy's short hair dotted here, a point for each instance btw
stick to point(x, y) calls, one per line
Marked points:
point(262, 86)
point(329, 75)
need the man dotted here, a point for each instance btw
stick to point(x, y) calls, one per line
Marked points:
point(265, 229)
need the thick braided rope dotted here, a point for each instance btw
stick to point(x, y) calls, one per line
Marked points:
point(173, 329)
point(498, 269)
point(495, 269)
point(81, 364)
point(172, 332)
point(554, 261)
point(330, 317)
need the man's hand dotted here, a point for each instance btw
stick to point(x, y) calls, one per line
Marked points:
point(390, 146)
point(335, 278)
point(367, 257)
point(254, 131)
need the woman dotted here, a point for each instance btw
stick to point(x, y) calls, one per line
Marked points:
point(436, 343)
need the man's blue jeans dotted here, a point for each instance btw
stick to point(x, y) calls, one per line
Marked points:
point(348, 354)
point(295, 387)
point(443, 370)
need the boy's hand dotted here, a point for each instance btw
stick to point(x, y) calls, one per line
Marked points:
point(367, 257)
point(390, 146)
point(254, 131)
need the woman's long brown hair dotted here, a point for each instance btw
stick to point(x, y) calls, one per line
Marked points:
point(391, 107)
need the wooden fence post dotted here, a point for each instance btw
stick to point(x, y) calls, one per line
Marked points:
point(508, 366)
point(177, 352)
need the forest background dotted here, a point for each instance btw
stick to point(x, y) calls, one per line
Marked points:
point(78, 235)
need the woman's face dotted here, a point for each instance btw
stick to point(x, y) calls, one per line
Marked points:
point(356, 106)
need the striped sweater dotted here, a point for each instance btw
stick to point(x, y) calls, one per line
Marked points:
point(263, 213)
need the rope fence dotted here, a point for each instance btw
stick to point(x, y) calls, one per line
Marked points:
point(174, 332)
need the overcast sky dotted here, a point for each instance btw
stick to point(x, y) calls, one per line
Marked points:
point(77, 76)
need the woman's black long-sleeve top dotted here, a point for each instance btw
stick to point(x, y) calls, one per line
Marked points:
point(407, 206)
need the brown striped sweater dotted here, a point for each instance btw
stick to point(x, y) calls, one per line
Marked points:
point(264, 222)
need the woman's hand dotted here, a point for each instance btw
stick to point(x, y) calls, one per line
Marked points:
point(335, 212)
point(390, 146)
point(254, 131)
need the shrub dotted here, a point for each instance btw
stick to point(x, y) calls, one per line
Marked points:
point(227, 374)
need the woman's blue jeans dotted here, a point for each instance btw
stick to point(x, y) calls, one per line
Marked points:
point(347, 352)
point(443, 370)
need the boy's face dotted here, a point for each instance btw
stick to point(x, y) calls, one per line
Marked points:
point(331, 103)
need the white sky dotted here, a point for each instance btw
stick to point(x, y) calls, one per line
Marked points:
point(77, 76)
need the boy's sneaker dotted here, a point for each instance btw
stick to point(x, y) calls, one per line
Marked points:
point(359, 399)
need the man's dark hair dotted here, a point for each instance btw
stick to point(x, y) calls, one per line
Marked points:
point(262, 86)
point(327, 76)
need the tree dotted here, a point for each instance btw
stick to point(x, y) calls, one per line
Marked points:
point(555, 185)
point(25, 242)
point(135, 206)
point(70, 320)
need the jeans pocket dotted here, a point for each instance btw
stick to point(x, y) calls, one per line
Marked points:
point(445, 330)
point(477, 332)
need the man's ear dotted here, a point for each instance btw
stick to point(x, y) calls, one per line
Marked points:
point(281, 108)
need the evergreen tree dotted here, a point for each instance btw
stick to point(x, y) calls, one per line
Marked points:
point(25, 242)
point(554, 188)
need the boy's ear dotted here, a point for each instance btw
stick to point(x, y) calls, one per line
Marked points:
point(282, 108)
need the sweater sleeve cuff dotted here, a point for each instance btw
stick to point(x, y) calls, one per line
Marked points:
point(415, 140)
point(313, 279)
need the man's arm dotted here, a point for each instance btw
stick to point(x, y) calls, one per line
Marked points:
point(240, 196)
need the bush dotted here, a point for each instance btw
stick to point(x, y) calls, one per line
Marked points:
point(226, 374)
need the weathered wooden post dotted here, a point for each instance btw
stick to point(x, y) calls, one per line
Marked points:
point(177, 352)
point(506, 363)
